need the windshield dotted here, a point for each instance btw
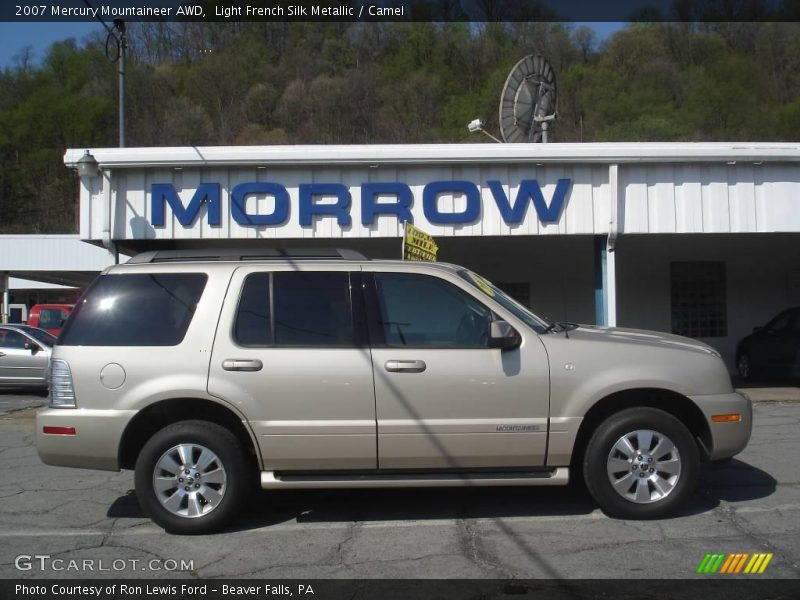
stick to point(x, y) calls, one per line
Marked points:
point(41, 335)
point(536, 323)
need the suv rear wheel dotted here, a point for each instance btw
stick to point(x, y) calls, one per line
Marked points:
point(191, 477)
point(640, 463)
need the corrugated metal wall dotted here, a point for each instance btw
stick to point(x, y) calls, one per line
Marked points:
point(702, 197)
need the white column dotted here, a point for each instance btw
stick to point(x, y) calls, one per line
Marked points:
point(617, 209)
point(5, 312)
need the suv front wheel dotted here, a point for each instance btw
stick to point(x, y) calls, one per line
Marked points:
point(191, 477)
point(640, 463)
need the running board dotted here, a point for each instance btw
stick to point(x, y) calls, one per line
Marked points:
point(271, 481)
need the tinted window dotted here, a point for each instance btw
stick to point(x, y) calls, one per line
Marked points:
point(48, 339)
point(306, 309)
point(254, 319)
point(135, 310)
point(780, 322)
point(424, 311)
point(12, 339)
point(312, 309)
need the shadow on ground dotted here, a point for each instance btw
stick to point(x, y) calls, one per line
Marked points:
point(775, 382)
point(735, 481)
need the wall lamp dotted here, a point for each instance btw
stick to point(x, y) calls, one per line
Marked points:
point(88, 166)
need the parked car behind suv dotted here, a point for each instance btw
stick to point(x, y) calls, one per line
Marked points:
point(50, 317)
point(24, 356)
point(205, 373)
point(772, 350)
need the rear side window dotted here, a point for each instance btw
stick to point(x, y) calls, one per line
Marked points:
point(295, 309)
point(135, 310)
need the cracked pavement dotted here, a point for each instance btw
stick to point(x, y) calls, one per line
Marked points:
point(751, 504)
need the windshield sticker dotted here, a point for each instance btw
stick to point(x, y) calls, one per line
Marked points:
point(484, 285)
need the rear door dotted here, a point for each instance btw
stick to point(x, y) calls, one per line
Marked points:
point(291, 351)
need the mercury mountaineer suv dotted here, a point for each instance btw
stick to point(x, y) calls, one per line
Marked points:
point(207, 372)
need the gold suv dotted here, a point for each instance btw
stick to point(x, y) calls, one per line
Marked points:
point(206, 372)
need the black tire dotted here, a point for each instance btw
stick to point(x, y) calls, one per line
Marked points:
point(223, 501)
point(652, 504)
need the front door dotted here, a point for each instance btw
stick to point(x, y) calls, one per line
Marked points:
point(444, 399)
point(18, 364)
point(291, 352)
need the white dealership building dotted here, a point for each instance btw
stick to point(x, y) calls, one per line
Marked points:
point(702, 239)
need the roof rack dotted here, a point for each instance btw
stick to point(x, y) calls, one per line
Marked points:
point(244, 254)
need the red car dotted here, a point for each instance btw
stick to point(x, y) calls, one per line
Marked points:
point(50, 317)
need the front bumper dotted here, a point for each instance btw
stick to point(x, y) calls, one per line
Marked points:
point(727, 439)
point(95, 444)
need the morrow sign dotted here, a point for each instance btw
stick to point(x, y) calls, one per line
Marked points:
point(373, 202)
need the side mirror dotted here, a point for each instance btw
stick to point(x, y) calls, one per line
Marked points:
point(502, 335)
point(34, 348)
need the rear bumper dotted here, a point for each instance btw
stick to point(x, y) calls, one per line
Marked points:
point(95, 444)
point(727, 439)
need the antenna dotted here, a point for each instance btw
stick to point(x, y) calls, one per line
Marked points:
point(528, 101)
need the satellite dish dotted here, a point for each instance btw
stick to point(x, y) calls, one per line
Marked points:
point(528, 101)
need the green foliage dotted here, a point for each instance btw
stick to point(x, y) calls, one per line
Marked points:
point(338, 83)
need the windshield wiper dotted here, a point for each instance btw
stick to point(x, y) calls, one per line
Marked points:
point(562, 326)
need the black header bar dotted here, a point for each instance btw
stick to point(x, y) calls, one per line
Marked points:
point(354, 11)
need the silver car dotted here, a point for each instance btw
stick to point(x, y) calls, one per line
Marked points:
point(24, 356)
point(206, 373)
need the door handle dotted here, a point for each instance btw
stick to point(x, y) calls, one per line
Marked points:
point(2, 354)
point(242, 364)
point(405, 366)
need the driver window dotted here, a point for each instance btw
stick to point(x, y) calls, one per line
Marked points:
point(12, 339)
point(421, 311)
point(779, 323)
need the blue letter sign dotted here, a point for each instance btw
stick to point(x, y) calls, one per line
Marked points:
point(239, 196)
point(401, 208)
point(430, 195)
point(340, 210)
point(164, 193)
point(529, 189)
point(512, 213)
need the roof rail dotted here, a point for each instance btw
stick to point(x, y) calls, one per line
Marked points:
point(243, 254)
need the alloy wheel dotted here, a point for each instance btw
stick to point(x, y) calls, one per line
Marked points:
point(644, 466)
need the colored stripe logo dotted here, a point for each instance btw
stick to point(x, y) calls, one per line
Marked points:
point(734, 563)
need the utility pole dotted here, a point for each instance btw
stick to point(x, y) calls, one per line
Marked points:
point(122, 42)
point(116, 40)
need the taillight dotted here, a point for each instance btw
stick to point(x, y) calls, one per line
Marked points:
point(51, 430)
point(62, 392)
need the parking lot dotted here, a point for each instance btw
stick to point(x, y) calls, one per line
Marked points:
point(88, 523)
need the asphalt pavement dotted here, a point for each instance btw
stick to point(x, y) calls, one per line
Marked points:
point(70, 523)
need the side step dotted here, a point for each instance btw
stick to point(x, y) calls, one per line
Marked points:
point(271, 480)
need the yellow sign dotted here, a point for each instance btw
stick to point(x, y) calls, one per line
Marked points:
point(418, 245)
point(483, 284)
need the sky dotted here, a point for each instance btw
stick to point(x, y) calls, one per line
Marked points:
point(14, 37)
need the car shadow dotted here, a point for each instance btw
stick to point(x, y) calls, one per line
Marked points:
point(735, 481)
point(23, 391)
point(772, 382)
point(731, 481)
